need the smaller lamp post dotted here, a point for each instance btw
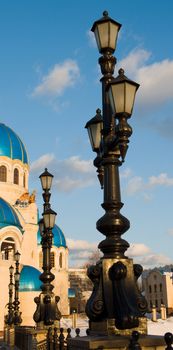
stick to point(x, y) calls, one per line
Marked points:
point(47, 312)
point(9, 317)
point(16, 303)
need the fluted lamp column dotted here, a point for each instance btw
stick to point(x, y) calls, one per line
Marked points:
point(16, 303)
point(47, 312)
point(116, 304)
point(10, 316)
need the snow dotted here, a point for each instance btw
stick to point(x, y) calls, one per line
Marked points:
point(160, 327)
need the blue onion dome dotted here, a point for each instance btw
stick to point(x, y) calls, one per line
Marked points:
point(29, 279)
point(8, 216)
point(11, 145)
point(58, 237)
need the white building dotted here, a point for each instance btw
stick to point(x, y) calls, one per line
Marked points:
point(19, 231)
point(158, 288)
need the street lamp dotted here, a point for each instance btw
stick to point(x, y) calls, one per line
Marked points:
point(16, 303)
point(9, 317)
point(116, 304)
point(47, 312)
point(95, 127)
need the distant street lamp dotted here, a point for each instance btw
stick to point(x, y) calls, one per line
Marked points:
point(16, 303)
point(9, 317)
point(116, 302)
point(47, 312)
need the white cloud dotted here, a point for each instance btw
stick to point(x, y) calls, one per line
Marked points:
point(91, 38)
point(69, 174)
point(144, 256)
point(136, 184)
point(153, 260)
point(67, 184)
point(126, 173)
point(42, 162)
point(137, 249)
point(77, 164)
point(80, 252)
point(135, 60)
point(162, 180)
point(81, 245)
point(170, 231)
point(156, 79)
point(60, 77)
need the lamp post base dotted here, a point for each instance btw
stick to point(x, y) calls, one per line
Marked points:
point(47, 312)
point(116, 301)
point(107, 327)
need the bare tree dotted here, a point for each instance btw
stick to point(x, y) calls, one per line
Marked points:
point(94, 257)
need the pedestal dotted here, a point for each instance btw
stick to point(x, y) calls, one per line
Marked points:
point(147, 342)
point(107, 327)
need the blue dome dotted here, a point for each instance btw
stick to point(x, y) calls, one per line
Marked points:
point(8, 216)
point(29, 279)
point(11, 145)
point(58, 240)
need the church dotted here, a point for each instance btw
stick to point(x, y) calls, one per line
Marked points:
point(19, 231)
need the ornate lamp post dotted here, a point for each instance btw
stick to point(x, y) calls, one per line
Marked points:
point(9, 317)
point(116, 304)
point(47, 312)
point(17, 314)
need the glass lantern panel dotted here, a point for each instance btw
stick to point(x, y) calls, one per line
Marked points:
point(52, 220)
point(94, 132)
point(130, 91)
point(116, 95)
point(46, 182)
point(113, 35)
point(106, 35)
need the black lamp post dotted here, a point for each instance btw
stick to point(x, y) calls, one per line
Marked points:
point(47, 312)
point(17, 314)
point(9, 317)
point(116, 303)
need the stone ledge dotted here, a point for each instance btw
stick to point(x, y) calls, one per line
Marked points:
point(149, 342)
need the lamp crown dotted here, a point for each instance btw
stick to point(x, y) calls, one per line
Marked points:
point(121, 71)
point(98, 111)
point(105, 13)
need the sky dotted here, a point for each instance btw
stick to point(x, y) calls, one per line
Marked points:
point(50, 88)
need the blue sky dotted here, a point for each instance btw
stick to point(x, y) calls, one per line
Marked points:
point(49, 89)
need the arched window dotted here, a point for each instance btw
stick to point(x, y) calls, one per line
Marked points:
point(3, 173)
point(155, 288)
point(52, 259)
point(160, 287)
point(16, 176)
point(8, 248)
point(60, 260)
point(24, 180)
point(150, 290)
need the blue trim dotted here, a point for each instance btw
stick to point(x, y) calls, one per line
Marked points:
point(11, 145)
point(71, 293)
point(8, 216)
point(29, 279)
point(58, 239)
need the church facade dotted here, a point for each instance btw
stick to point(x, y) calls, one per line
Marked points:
point(19, 231)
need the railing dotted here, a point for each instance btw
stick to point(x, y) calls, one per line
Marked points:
point(57, 339)
point(54, 340)
point(134, 344)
